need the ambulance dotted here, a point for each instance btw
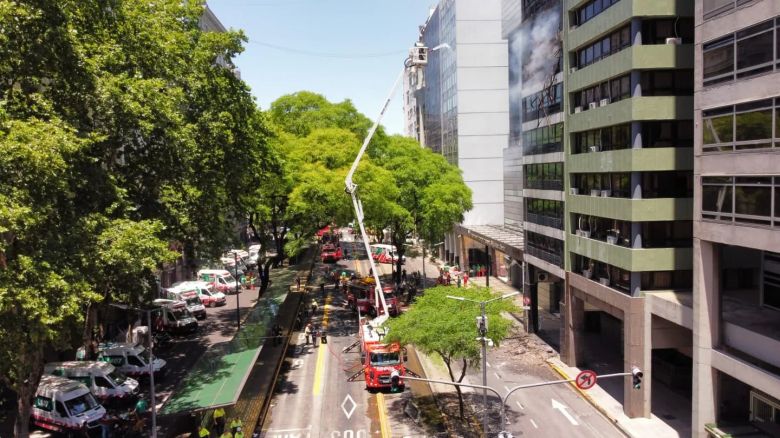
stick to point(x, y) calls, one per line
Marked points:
point(188, 294)
point(101, 378)
point(65, 406)
point(222, 280)
point(130, 359)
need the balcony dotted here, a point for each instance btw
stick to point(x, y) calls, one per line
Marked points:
point(547, 256)
point(631, 210)
point(632, 160)
point(547, 221)
point(629, 259)
point(633, 109)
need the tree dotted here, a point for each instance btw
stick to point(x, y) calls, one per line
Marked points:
point(441, 325)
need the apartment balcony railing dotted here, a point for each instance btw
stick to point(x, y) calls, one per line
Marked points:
point(547, 256)
point(547, 221)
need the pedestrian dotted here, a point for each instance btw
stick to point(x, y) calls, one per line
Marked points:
point(322, 288)
point(465, 279)
point(219, 420)
point(314, 307)
point(235, 424)
point(403, 275)
point(298, 283)
point(314, 335)
point(203, 432)
point(458, 280)
point(307, 332)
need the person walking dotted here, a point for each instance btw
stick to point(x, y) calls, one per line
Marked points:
point(298, 283)
point(314, 307)
point(219, 420)
point(465, 279)
point(307, 332)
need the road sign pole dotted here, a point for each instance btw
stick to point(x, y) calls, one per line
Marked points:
point(483, 333)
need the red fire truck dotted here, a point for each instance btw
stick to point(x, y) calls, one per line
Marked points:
point(360, 296)
point(383, 363)
point(330, 254)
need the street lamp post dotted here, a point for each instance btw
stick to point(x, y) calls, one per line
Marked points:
point(238, 309)
point(483, 339)
point(152, 397)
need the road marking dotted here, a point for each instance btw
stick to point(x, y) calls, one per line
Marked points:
point(507, 388)
point(497, 376)
point(383, 425)
point(564, 410)
point(320, 368)
point(297, 363)
point(352, 405)
point(289, 430)
point(533, 423)
point(519, 405)
point(488, 364)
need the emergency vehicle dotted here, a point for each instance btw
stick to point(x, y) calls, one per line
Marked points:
point(208, 294)
point(130, 359)
point(188, 293)
point(361, 296)
point(101, 378)
point(330, 254)
point(381, 361)
point(222, 280)
point(65, 406)
point(385, 253)
point(174, 317)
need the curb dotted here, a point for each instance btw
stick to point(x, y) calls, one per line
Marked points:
point(590, 400)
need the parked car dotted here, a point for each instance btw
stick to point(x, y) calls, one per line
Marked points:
point(65, 406)
point(222, 280)
point(189, 295)
point(103, 380)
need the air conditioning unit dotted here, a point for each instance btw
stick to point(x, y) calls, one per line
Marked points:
point(573, 69)
point(604, 102)
point(606, 193)
point(577, 109)
point(574, 26)
point(592, 105)
point(595, 192)
point(675, 41)
point(574, 191)
point(542, 277)
point(595, 148)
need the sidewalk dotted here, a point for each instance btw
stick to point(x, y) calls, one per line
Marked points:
point(652, 427)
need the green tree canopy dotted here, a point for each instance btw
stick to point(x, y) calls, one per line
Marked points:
point(439, 325)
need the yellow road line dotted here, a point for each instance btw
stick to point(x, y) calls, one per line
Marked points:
point(320, 368)
point(383, 424)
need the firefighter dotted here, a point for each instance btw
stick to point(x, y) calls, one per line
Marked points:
point(235, 424)
point(203, 432)
point(226, 434)
point(219, 420)
point(239, 433)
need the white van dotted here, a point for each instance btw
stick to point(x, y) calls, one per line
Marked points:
point(65, 406)
point(208, 294)
point(129, 359)
point(189, 295)
point(173, 316)
point(220, 278)
point(101, 378)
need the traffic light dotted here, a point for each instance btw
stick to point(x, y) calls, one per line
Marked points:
point(395, 381)
point(637, 374)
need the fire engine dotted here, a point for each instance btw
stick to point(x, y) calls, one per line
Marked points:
point(361, 297)
point(383, 363)
point(330, 254)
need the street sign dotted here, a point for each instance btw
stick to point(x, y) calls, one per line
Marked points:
point(586, 379)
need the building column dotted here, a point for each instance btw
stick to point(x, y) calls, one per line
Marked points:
point(706, 333)
point(636, 353)
point(572, 342)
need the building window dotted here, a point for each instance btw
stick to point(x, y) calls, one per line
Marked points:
point(544, 140)
point(612, 90)
point(608, 275)
point(658, 31)
point(544, 212)
point(544, 176)
point(746, 53)
point(609, 45)
point(744, 126)
point(544, 247)
point(604, 139)
point(660, 280)
point(590, 10)
point(746, 200)
point(713, 8)
point(667, 134)
point(667, 83)
point(543, 103)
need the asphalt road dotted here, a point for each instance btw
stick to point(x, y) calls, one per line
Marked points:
point(313, 397)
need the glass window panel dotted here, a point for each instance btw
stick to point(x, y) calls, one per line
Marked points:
point(625, 35)
point(625, 86)
point(754, 51)
point(752, 200)
point(777, 202)
point(717, 6)
point(716, 199)
point(718, 61)
point(718, 129)
point(597, 51)
point(615, 41)
point(756, 125)
point(606, 46)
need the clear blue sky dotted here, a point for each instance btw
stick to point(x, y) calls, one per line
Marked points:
point(339, 27)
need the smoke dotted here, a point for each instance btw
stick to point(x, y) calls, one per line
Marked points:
point(537, 46)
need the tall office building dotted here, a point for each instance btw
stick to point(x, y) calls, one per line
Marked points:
point(736, 304)
point(463, 107)
point(628, 164)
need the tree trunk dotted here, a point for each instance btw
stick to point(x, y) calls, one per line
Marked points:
point(265, 275)
point(457, 387)
point(25, 389)
point(280, 254)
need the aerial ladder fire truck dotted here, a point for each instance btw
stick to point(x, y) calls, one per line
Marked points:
point(382, 362)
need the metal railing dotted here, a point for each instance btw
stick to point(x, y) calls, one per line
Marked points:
point(547, 256)
point(547, 221)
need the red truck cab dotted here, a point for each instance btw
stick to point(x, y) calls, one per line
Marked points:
point(380, 359)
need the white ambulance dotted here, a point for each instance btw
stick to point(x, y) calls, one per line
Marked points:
point(65, 406)
point(102, 379)
point(130, 359)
